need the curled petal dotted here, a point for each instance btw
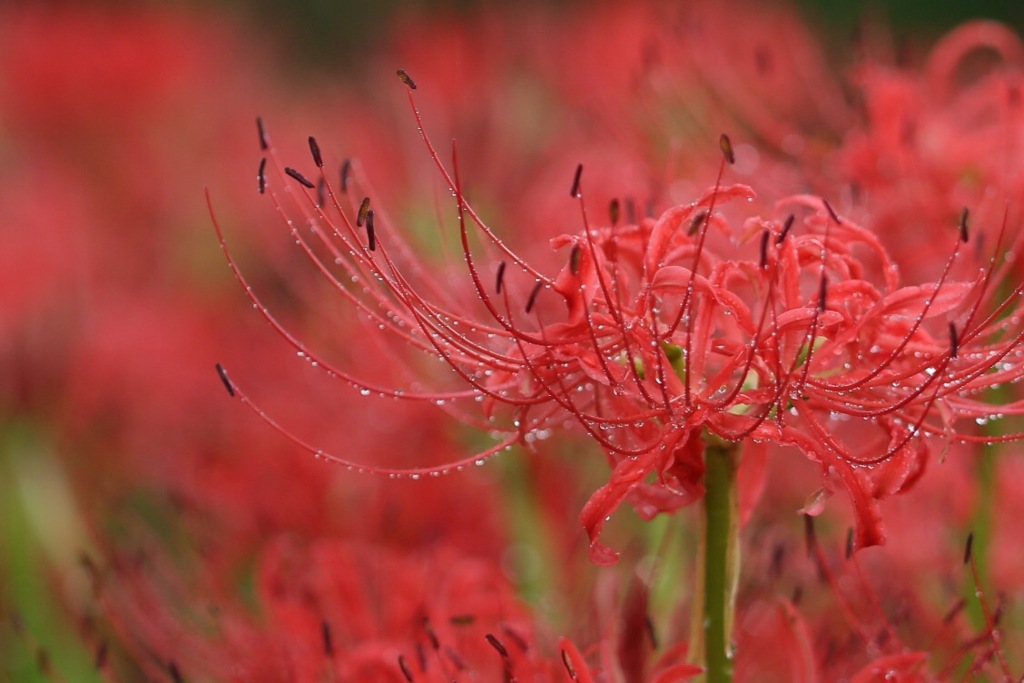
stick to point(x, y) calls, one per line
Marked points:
point(670, 221)
point(912, 299)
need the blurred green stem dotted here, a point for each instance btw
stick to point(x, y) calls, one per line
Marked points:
point(711, 643)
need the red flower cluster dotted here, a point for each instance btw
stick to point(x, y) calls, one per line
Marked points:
point(704, 323)
point(825, 295)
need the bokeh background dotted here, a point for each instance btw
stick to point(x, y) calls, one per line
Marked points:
point(114, 117)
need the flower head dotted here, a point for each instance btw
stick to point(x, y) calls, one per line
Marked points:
point(660, 333)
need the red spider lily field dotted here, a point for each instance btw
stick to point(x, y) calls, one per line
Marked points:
point(598, 342)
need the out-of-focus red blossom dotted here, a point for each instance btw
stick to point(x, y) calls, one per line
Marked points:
point(940, 137)
point(330, 610)
point(70, 69)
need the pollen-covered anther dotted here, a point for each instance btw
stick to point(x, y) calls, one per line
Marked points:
point(727, 151)
point(261, 176)
point(371, 236)
point(405, 78)
point(964, 217)
point(302, 180)
point(314, 149)
point(575, 190)
point(363, 209)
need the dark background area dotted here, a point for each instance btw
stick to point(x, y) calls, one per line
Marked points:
point(326, 30)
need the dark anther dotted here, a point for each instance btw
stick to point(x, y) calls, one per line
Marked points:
point(613, 212)
point(327, 637)
point(500, 278)
point(421, 656)
point(321, 191)
point(496, 644)
point(786, 227)
point(227, 382)
point(957, 607)
point(954, 341)
point(100, 660)
point(346, 167)
point(462, 619)
point(371, 237)
point(849, 543)
point(455, 659)
point(363, 208)
point(809, 535)
point(515, 637)
point(631, 215)
point(404, 666)
point(431, 634)
point(831, 212)
point(314, 149)
point(533, 297)
point(575, 191)
point(574, 259)
point(778, 556)
point(651, 633)
point(261, 177)
point(822, 292)
point(175, 673)
point(568, 666)
point(303, 180)
point(726, 144)
point(969, 547)
point(263, 134)
point(696, 222)
point(764, 247)
point(964, 215)
point(404, 77)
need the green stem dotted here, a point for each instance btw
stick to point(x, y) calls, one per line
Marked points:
point(718, 570)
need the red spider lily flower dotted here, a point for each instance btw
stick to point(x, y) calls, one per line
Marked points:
point(702, 324)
